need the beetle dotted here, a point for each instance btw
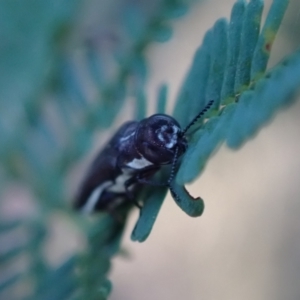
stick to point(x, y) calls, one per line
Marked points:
point(133, 155)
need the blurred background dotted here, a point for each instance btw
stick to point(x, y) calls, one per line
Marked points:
point(247, 243)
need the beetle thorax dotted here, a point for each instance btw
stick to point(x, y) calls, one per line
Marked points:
point(158, 137)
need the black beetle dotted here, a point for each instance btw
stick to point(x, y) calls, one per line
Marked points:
point(133, 155)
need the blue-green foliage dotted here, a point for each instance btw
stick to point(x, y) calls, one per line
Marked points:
point(239, 47)
point(162, 99)
point(48, 119)
point(233, 49)
point(234, 122)
point(152, 199)
point(248, 40)
point(222, 71)
point(266, 38)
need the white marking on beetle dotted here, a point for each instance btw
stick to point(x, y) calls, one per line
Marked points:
point(94, 197)
point(172, 137)
point(125, 138)
point(160, 131)
point(175, 129)
point(173, 140)
point(119, 184)
point(139, 163)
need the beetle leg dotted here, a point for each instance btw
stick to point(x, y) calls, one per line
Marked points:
point(151, 182)
point(129, 194)
point(143, 177)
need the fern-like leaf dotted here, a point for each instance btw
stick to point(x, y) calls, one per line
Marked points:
point(231, 119)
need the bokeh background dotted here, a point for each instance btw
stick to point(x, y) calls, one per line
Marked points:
point(247, 243)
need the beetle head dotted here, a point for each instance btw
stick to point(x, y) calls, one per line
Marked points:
point(157, 138)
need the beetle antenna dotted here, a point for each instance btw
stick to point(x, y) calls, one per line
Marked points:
point(172, 173)
point(201, 113)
